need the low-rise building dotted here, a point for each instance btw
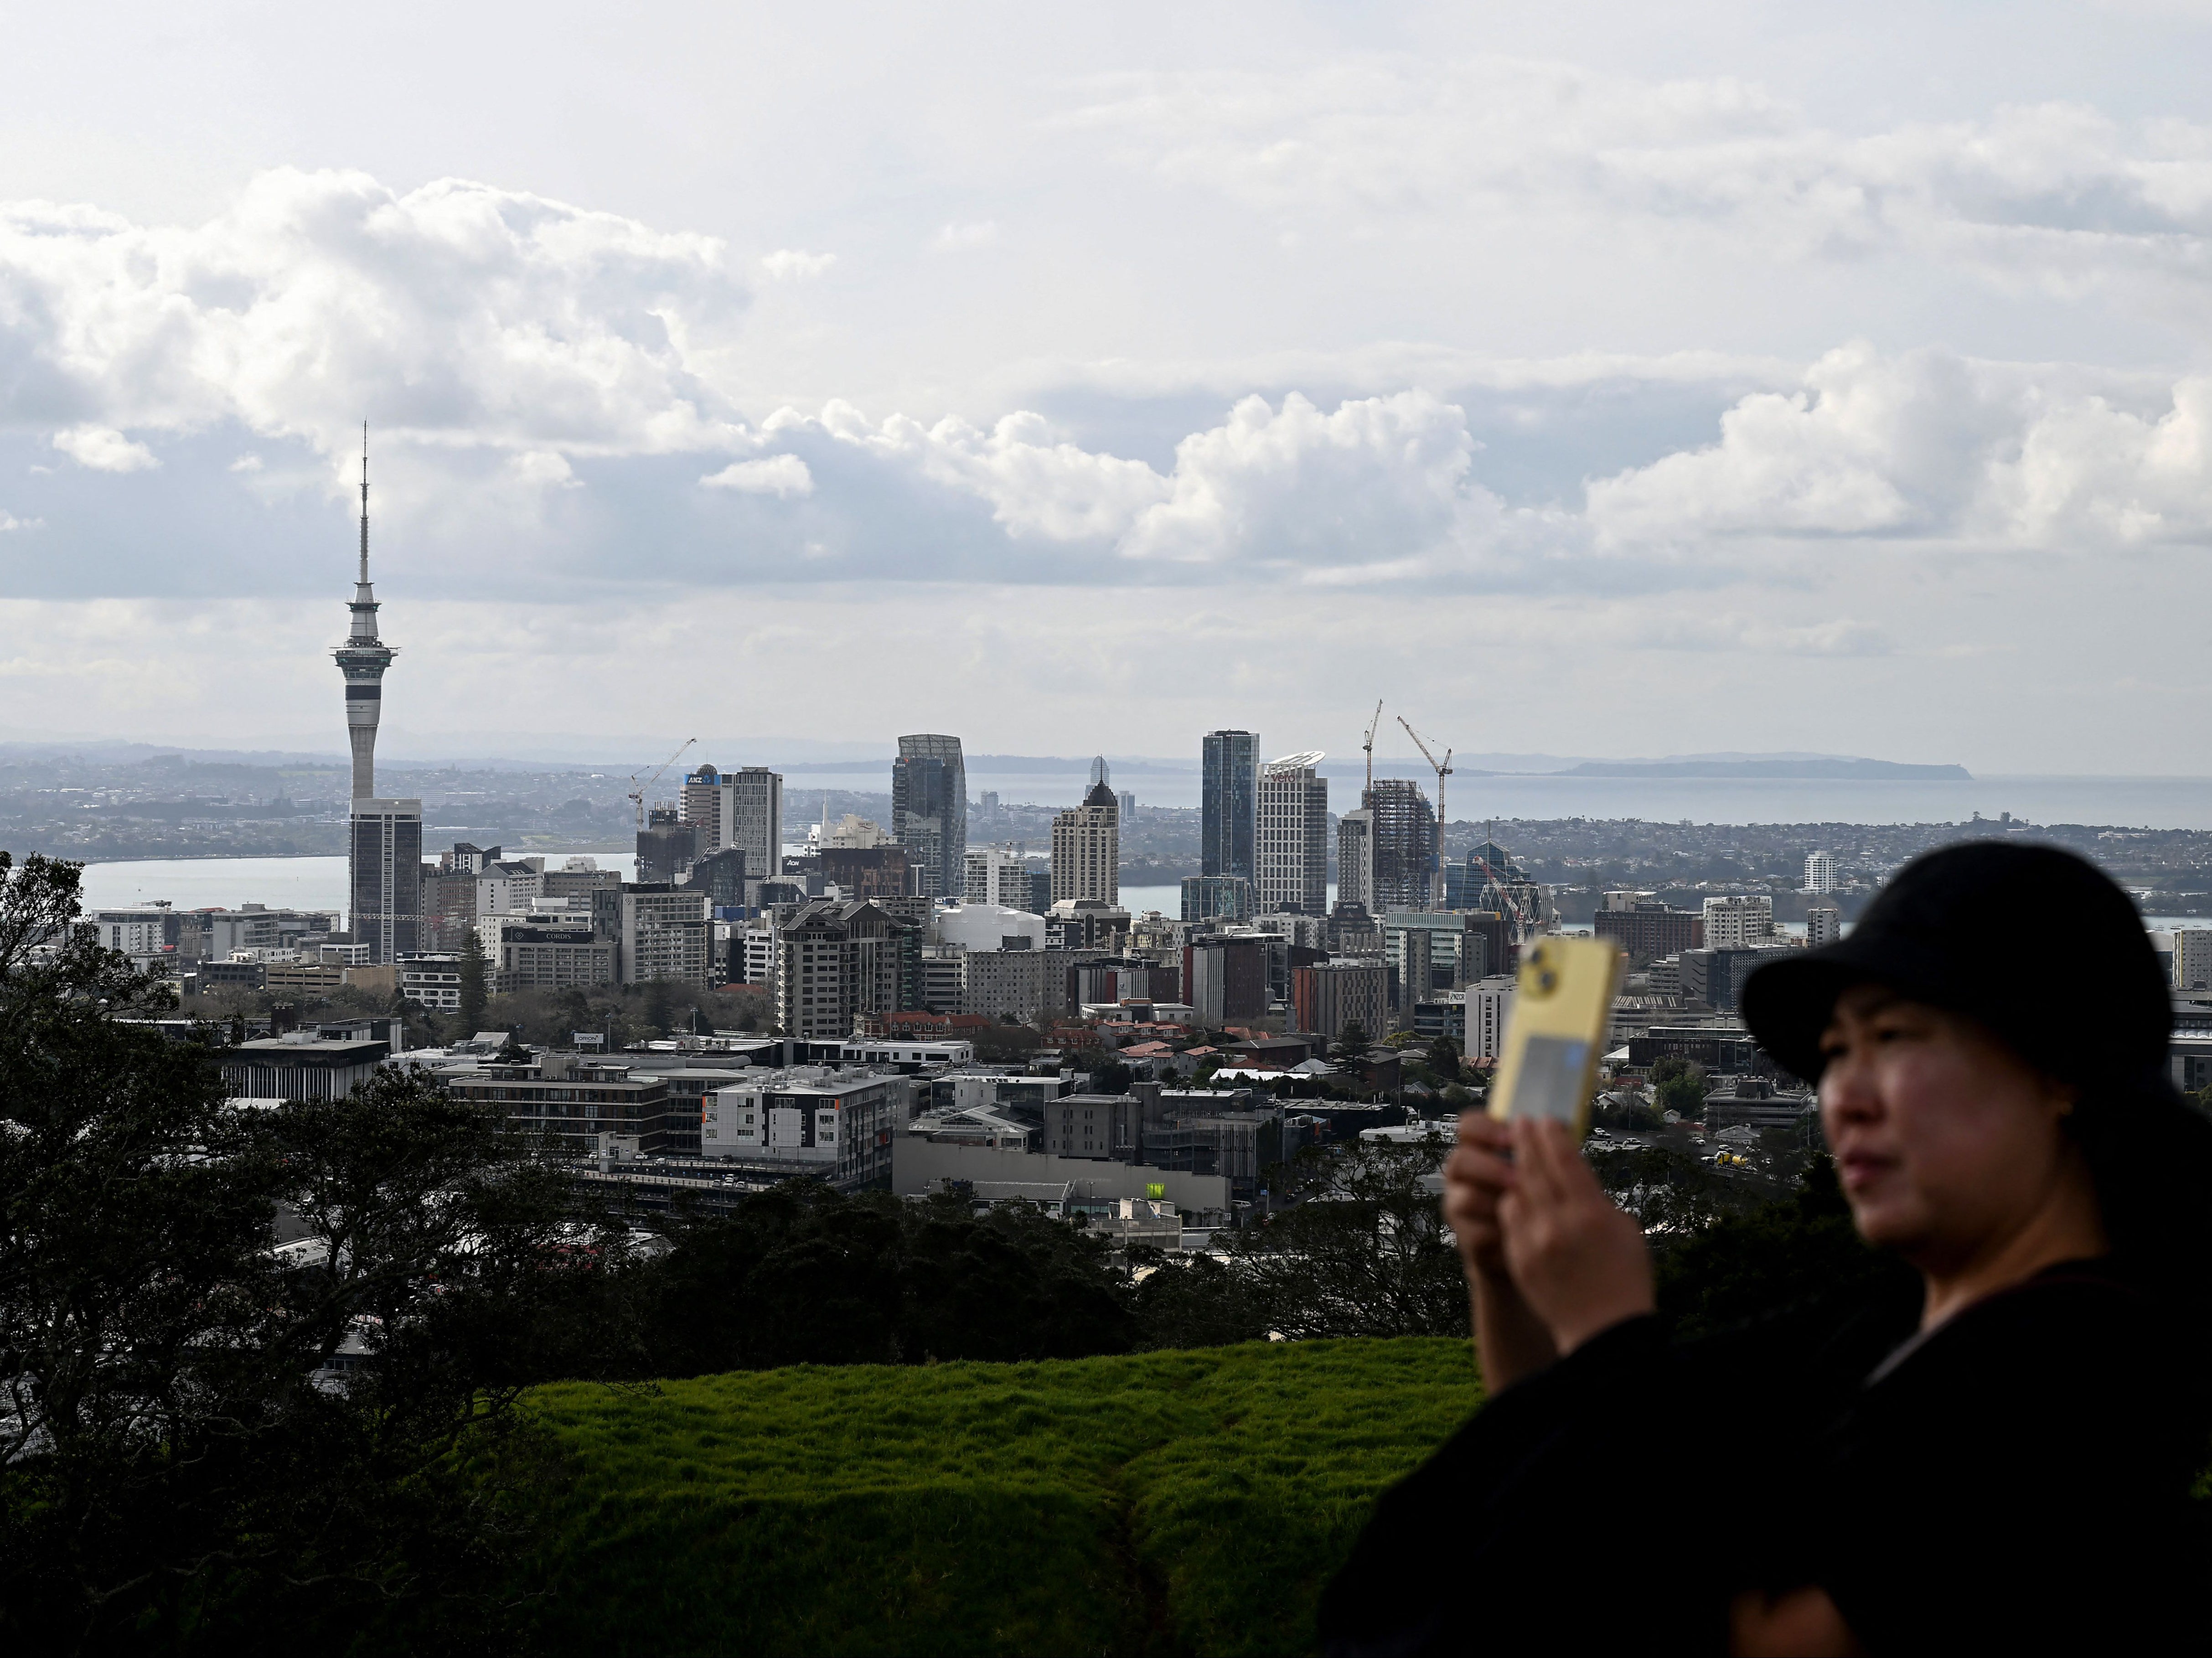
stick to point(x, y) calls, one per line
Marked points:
point(573, 1101)
point(836, 1125)
point(428, 981)
point(302, 1065)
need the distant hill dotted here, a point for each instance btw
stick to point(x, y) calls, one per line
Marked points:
point(1836, 767)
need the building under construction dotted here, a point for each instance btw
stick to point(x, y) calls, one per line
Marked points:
point(1403, 832)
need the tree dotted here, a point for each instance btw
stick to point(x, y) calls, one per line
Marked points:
point(1443, 1057)
point(1679, 1086)
point(659, 1006)
point(1352, 1039)
point(473, 990)
point(1364, 1252)
point(799, 1274)
point(207, 1442)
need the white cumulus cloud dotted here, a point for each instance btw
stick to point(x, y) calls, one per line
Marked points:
point(792, 265)
point(104, 449)
point(781, 476)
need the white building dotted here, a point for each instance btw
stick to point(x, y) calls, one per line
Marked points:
point(1292, 850)
point(987, 926)
point(510, 887)
point(433, 981)
point(810, 1121)
point(1820, 873)
point(1489, 1005)
point(1824, 925)
point(1739, 923)
point(997, 875)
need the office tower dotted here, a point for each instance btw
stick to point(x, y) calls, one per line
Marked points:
point(1355, 859)
point(1291, 845)
point(929, 811)
point(754, 805)
point(1086, 849)
point(1101, 772)
point(1127, 801)
point(738, 811)
point(384, 838)
point(384, 866)
point(1403, 846)
point(1228, 817)
point(1820, 873)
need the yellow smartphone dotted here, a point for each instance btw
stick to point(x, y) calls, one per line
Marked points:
point(1561, 1004)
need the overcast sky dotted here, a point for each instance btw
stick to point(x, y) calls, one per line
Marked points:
point(1622, 380)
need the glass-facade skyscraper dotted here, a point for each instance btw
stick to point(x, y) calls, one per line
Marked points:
point(929, 811)
point(1229, 817)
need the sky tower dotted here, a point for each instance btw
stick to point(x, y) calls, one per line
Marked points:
point(363, 658)
point(384, 838)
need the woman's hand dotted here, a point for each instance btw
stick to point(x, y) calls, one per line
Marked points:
point(1477, 1175)
point(1576, 1261)
point(1509, 1341)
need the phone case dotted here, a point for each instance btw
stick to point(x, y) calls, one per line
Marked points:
point(1561, 1006)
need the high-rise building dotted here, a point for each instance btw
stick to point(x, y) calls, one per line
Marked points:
point(1819, 872)
point(1101, 772)
point(755, 805)
point(1086, 849)
point(384, 839)
point(837, 962)
point(661, 932)
point(1402, 846)
point(385, 866)
point(1291, 845)
point(1824, 925)
point(738, 811)
point(1228, 817)
point(929, 811)
point(1355, 859)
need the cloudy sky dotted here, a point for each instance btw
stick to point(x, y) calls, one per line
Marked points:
point(1623, 380)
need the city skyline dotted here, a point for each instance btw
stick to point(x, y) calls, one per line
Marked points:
point(1171, 347)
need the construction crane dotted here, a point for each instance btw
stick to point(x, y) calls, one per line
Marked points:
point(1443, 769)
point(1368, 745)
point(637, 790)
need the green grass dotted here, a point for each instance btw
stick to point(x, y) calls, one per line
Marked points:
point(1179, 1503)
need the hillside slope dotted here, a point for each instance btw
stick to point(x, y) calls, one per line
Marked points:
point(1165, 1502)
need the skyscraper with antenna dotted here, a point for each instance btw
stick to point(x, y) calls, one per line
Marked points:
point(384, 841)
point(363, 658)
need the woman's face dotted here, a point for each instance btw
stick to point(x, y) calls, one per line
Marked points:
point(1943, 1136)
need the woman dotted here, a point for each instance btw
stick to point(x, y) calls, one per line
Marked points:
point(2001, 1462)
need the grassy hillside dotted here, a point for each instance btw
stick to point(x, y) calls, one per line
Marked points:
point(1167, 1503)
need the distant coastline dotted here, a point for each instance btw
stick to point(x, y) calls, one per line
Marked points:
point(1827, 769)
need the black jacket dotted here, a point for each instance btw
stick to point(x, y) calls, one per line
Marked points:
point(2017, 1480)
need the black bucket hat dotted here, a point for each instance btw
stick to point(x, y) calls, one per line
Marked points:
point(2035, 942)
